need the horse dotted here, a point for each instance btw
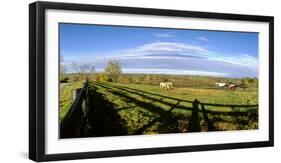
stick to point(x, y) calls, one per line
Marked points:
point(232, 87)
point(220, 84)
point(166, 85)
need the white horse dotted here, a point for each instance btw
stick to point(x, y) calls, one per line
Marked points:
point(166, 85)
point(220, 84)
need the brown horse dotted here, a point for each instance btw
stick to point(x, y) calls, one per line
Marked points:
point(232, 87)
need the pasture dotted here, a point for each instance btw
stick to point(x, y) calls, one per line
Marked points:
point(65, 96)
point(145, 108)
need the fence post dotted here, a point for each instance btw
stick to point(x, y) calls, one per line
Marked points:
point(75, 93)
point(194, 123)
point(85, 109)
point(73, 123)
point(85, 99)
point(195, 104)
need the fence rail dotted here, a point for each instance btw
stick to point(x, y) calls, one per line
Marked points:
point(72, 124)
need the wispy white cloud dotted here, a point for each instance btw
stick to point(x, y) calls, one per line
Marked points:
point(243, 59)
point(168, 71)
point(164, 35)
point(202, 38)
point(178, 58)
point(177, 50)
point(172, 72)
point(163, 48)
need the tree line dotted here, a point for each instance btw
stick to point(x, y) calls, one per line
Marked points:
point(84, 71)
point(113, 73)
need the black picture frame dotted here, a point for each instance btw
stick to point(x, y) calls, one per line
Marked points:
point(37, 80)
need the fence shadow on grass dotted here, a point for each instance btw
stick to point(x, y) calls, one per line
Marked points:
point(199, 112)
point(168, 122)
point(103, 118)
point(164, 117)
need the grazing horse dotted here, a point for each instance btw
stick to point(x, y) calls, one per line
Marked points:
point(220, 85)
point(166, 85)
point(232, 87)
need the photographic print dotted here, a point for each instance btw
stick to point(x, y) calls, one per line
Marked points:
point(107, 81)
point(141, 80)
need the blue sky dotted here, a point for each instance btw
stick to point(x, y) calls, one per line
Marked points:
point(160, 50)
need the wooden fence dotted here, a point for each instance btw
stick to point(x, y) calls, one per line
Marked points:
point(72, 124)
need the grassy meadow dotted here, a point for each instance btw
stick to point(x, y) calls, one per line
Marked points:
point(136, 105)
point(66, 97)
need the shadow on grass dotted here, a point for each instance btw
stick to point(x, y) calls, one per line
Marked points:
point(104, 119)
point(167, 121)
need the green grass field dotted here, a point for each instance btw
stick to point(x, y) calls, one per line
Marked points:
point(147, 109)
point(65, 97)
